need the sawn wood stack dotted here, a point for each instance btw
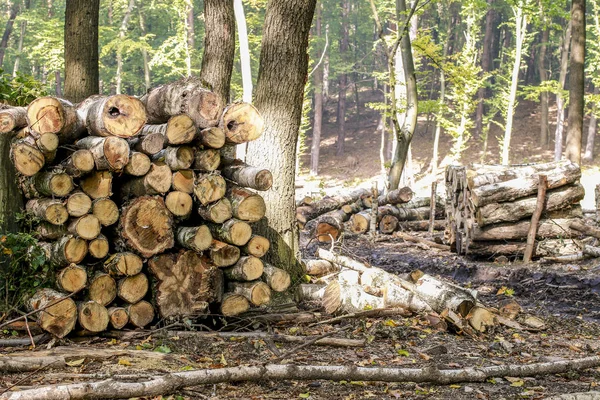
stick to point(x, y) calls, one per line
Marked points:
point(143, 221)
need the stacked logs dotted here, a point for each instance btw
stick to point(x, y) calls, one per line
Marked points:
point(358, 212)
point(143, 220)
point(489, 208)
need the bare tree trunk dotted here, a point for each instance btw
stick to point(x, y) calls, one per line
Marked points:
point(318, 119)
point(485, 67)
point(14, 10)
point(544, 129)
point(343, 80)
point(246, 67)
point(219, 46)
point(279, 96)
point(593, 128)
point(576, 82)
point(11, 200)
point(58, 84)
point(122, 33)
point(405, 133)
point(19, 49)
point(81, 49)
point(521, 31)
point(560, 102)
point(189, 36)
point(441, 101)
point(144, 51)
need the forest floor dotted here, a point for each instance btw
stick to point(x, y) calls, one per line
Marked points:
point(564, 296)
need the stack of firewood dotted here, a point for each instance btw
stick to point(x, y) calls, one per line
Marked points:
point(489, 209)
point(143, 219)
point(360, 211)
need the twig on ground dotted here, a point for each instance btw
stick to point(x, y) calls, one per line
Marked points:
point(379, 312)
point(308, 343)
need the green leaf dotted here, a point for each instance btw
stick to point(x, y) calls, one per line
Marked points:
point(304, 395)
point(163, 349)
point(403, 353)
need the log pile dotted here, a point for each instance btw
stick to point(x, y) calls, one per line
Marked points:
point(395, 210)
point(346, 286)
point(489, 209)
point(143, 221)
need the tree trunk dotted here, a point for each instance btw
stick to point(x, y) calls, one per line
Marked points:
point(521, 31)
point(190, 35)
point(14, 10)
point(219, 46)
point(592, 129)
point(560, 102)
point(576, 82)
point(343, 79)
point(19, 49)
point(186, 283)
point(144, 51)
point(318, 105)
point(544, 129)
point(279, 96)
point(122, 34)
point(485, 67)
point(405, 132)
point(81, 49)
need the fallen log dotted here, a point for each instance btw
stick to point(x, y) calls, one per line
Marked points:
point(258, 293)
point(348, 298)
point(49, 210)
point(66, 250)
point(47, 183)
point(585, 229)
point(246, 176)
point(12, 118)
point(490, 174)
point(118, 317)
point(132, 289)
point(212, 138)
point(416, 239)
point(342, 260)
point(327, 204)
point(319, 267)
point(78, 204)
point(398, 196)
point(233, 231)
point(233, 304)
point(110, 153)
point(118, 115)
point(87, 227)
point(547, 228)
point(179, 129)
point(176, 157)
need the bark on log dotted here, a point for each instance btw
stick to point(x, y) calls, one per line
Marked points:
point(87, 227)
point(92, 317)
point(110, 153)
point(241, 123)
point(441, 295)
point(132, 289)
point(118, 317)
point(183, 181)
point(102, 288)
point(173, 382)
point(156, 181)
point(71, 279)
point(27, 158)
point(180, 129)
point(49, 210)
point(79, 163)
point(50, 183)
point(148, 142)
point(176, 157)
point(66, 250)
point(99, 247)
point(147, 226)
point(12, 118)
point(489, 174)
point(348, 298)
point(247, 268)
point(319, 267)
point(416, 239)
point(197, 238)
point(327, 204)
point(223, 254)
point(522, 187)
point(119, 115)
point(106, 211)
point(257, 246)
point(59, 313)
point(396, 291)
point(245, 204)
point(233, 231)
point(140, 314)
point(139, 164)
point(185, 283)
point(187, 96)
point(398, 196)
point(180, 204)
point(342, 260)
point(48, 231)
point(217, 212)
point(54, 115)
point(207, 160)
point(258, 293)
point(585, 229)
point(123, 264)
point(557, 199)
point(352, 208)
point(548, 228)
point(404, 214)
point(438, 225)
point(234, 304)
point(98, 184)
point(213, 138)
point(245, 175)
point(46, 143)
point(209, 188)
point(278, 279)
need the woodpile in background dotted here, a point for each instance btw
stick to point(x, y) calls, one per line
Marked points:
point(344, 285)
point(489, 210)
point(143, 221)
point(360, 212)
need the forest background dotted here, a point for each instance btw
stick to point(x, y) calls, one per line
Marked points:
point(492, 76)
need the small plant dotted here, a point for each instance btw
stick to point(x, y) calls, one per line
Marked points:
point(20, 90)
point(23, 269)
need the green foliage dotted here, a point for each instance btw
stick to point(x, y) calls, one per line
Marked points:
point(23, 269)
point(20, 90)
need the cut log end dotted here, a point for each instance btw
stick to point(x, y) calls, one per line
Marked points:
point(59, 315)
point(258, 293)
point(183, 181)
point(223, 254)
point(133, 288)
point(257, 246)
point(93, 317)
point(209, 188)
point(124, 264)
point(46, 115)
point(102, 289)
point(98, 184)
point(196, 238)
point(241, 123)
point(234, 304)
point(118, 317)
point(246, 269)
point(212, 137)
point(179, 203)
point(278, 279)
point(140, 314)
point(122, 116)
point(217, 212)
point(87, 227)
point(180, 130)
point(28, 160)
point(99, 247)
point(71, 279)
point(106, 211)
point(139, 164)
